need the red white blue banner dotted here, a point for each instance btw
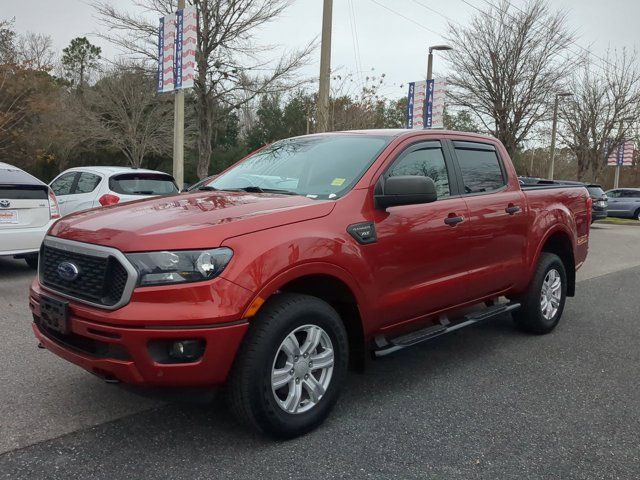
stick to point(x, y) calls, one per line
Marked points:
point(425, 104)
point(416, 104)
point(622, 154)
point(177, 43)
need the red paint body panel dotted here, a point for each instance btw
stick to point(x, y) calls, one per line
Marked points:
point(418, 268)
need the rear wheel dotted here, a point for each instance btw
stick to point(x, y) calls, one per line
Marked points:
point(637, 214)
point(291, 366)
point(32, 260)
point(543, 304)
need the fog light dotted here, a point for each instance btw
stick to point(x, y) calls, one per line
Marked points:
point(186, 350)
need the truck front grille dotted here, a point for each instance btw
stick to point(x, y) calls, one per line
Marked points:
point(101, 279)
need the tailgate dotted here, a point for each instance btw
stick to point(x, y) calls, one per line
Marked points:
point(23, 206)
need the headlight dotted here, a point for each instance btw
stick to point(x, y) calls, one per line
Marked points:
point(162, 268)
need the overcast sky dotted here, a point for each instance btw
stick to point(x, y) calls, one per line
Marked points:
point(392, 42)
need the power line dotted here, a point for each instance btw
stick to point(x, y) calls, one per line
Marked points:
point(406, 18)
point(354, 40)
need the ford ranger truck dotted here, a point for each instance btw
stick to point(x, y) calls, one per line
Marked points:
point(301, 260)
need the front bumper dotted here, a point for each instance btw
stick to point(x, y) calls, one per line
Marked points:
point(106, 344)
point(21, 241)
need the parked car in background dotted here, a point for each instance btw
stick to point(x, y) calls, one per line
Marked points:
point(624, 202)
point(599, 210)
point(27, 209)
point(82, 188)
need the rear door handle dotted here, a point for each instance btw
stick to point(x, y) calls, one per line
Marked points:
point(453, 221)
point(511, 209)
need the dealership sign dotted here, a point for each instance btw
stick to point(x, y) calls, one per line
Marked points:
point(177, 43)
point(425, 104)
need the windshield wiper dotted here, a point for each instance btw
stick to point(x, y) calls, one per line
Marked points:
point(257, 189)
point(208, 188)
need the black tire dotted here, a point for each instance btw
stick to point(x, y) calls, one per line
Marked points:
point(32, 260)
point(637, 214)
point(530, 317)
point(249, 390)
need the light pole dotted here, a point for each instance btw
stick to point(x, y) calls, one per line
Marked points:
point(554, 129)
point(430, 61)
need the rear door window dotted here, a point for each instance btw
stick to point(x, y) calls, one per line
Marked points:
point(63, 185)
point(480, 167)
point(87, 182)
point(426, 162)
point(142, 184)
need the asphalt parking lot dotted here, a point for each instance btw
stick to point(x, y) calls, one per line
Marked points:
point(485, 402)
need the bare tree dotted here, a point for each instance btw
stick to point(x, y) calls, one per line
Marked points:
point(230, 66)
point(7, 42)
point(35, 51)
point(123, 112)
point(507, 63)
point(600, 115)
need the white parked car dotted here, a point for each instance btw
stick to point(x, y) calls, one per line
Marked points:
point(27, 209)
point(82, 188)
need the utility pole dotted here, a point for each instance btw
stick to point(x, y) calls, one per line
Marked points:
point(178, 130)
point(554, 129)
point(325, 68)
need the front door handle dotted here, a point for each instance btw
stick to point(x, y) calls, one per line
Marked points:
point(511, 209)
point(453, 221)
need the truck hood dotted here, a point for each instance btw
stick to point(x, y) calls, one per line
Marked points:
point(187, 221)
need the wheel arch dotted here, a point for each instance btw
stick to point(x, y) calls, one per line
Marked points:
point(559, 243)
point(333, 285)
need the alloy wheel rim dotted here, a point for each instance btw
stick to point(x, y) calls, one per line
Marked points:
point(551, 294)
point(302, 369)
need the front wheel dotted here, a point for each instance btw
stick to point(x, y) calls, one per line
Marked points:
point(291, 366)
point(544, 301)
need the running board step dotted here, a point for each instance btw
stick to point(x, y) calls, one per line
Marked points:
point(385, 347)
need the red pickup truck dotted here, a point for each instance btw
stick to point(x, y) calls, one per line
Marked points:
point(302, 259)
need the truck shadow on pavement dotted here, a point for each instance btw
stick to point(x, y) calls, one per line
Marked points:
point(11, 269)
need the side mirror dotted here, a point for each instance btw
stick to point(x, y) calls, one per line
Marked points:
point(406, 190)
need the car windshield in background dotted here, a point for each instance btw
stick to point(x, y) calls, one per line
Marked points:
point(142, 184)
point(314, 166)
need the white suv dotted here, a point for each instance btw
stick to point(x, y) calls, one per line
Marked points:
point(81, 188)
point(27, 209)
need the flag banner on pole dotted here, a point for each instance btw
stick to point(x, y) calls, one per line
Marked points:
point(166, 59)
point(177, 64)
point(410, 101)
point(177, 43)
point(160, 55)
point(415, 104)
point(428, 114)
point(439, 96)
point(621, 155)
point(189, 46)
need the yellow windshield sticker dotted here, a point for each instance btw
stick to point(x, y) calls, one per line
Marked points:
point(337, 182)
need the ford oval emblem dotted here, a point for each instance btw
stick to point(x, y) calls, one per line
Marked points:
point(5, 203)
point(68, 271)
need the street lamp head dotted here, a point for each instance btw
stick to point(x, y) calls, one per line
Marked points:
point(440, 47)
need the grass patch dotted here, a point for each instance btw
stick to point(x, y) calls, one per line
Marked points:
point(619, 221)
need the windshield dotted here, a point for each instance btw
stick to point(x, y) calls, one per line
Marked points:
point(314, 166)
